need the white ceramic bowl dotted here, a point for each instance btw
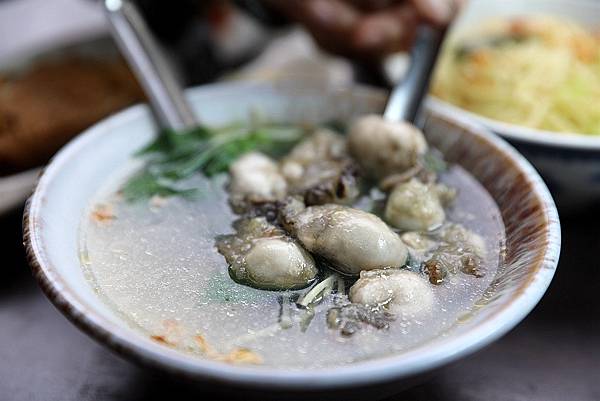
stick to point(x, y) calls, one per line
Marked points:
point(72, 178)
point(569, 163)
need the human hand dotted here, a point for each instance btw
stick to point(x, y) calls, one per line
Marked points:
point(366, 29)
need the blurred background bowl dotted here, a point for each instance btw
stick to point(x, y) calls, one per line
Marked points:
point(17, 186)
point(44, 34)
point(568, 162)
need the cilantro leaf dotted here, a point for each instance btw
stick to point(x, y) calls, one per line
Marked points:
point(174, 156)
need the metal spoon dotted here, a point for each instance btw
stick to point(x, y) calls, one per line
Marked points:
point(153, 71)
point(406, 98)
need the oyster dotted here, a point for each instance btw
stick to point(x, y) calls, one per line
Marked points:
point(383, 147)
point(397, 291)
point(255, 180)
point(351, 240)
point(261, 255)
point(461, 251)
point(320, 170)
point(414, 206)
point(350, 318)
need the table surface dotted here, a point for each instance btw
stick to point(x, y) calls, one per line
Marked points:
point(553, 355)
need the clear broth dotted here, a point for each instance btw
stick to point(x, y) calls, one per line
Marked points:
point(158, 268)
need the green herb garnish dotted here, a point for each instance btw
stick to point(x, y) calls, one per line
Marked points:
point(144, 185)
point(174, 156)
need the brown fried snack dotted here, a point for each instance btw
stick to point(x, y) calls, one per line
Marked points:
point(45, 106)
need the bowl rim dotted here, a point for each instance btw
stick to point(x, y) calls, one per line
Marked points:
point(374, 371)
point(520, 133)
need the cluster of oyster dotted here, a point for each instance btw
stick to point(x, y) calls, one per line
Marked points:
point(297, 212)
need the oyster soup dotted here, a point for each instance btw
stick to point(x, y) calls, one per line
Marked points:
point(315, 254)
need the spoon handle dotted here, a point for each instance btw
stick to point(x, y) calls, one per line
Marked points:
point(153, 71)
point(406, 98)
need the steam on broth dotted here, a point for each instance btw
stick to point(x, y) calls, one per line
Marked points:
point(303, 249)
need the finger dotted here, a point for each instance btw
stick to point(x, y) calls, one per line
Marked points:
point(318, 14)
point(385, 32)
point(331, 22)
point(373, 5)
point(329, 15)
point(438, 12)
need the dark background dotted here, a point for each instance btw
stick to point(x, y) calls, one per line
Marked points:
point(553, 355)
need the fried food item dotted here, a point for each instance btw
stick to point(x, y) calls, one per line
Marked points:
point(44, 107)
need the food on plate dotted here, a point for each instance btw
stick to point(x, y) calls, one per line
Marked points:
point(537, 71)
point(46, 104)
